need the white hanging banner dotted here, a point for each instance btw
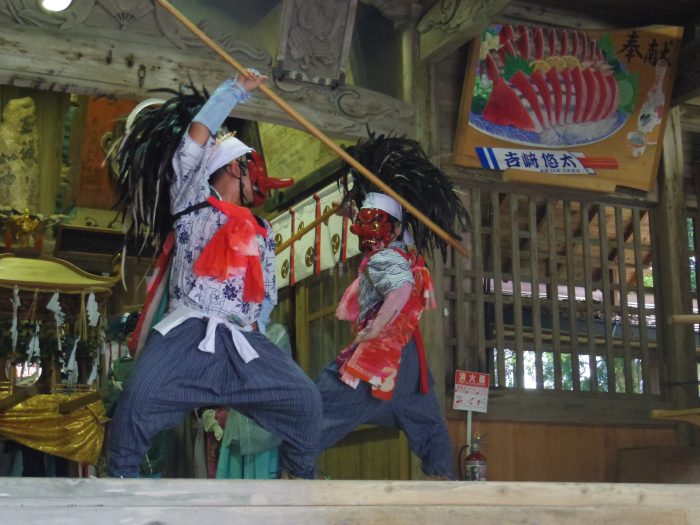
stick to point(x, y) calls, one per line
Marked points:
point(282, 228)
point(351, 244)
point(305, 248)
point(331, 229)
point(323, 247)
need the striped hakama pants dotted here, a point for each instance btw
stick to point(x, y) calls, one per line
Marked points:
point(172, 376)
point(418, 415)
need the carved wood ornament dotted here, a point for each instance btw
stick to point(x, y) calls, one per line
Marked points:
point(315, 42)
point(124, 48)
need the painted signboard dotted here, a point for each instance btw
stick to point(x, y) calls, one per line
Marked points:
point(582, 109)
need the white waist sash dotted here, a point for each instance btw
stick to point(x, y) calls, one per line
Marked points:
point(182, 313)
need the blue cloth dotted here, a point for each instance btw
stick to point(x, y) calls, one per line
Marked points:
point(263, 465)
point(247, 451)
point(171, 377)
point(418, 415)
point(386, 271)
point(220, 104)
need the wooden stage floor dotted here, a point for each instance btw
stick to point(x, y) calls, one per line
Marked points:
point(60, 501)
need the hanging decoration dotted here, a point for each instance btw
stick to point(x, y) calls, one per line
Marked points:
point(53, 336)
point(322, 248)
point(55, 324)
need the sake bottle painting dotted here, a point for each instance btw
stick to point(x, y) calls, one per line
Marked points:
point(550, 87)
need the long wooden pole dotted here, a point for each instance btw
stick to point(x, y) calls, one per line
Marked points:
point(311, 128)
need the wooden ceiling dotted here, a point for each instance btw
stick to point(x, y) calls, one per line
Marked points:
point(634, 13)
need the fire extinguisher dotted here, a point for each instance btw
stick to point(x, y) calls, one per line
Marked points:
point(474, 465)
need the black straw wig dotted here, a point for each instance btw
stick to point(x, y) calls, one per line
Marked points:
point(142, 158)
point(403, 165)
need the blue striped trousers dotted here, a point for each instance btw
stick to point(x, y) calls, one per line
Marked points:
point(418, 415)
point(172, 377)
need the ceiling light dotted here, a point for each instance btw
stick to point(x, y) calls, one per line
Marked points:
point(55, 5)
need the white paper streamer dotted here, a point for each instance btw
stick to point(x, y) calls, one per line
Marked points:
point(93, 310)
point(15, 307)
point(72, 366)
point(93, 372)
point(55, 306)
point(33, 349)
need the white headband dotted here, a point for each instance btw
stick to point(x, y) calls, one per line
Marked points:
point(385, 203)
point(229, 149)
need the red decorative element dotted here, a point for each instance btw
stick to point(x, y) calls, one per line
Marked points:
point(292, 279)
point(317, 244)
point(161, 270)
point(344, 241)
point(262, 184)
point(374, 227)
point(233, 250)
point(573, 86)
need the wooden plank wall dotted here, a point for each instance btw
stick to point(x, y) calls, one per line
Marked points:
point(517, 451)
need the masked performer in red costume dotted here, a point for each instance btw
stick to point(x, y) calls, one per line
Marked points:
point(178, 181)
point(382, 377)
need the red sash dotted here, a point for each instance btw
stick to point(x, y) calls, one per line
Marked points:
point(377, 360)
point(233, 251)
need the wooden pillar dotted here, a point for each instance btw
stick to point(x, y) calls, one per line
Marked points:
point(672, 278)
point(419, 80)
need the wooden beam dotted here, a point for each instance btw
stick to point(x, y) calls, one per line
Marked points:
point(76, 404)
point(37, 501)
point(448, 25)
point(534, 14)
point(130, 65)
point(690, 117)
point(573, 408)
point(16, 397)
point(492, 180)
point(629, 230)
point(540, 214)
point(687, 83)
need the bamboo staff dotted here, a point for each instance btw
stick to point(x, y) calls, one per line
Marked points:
point(314, 130)
point(306, 229)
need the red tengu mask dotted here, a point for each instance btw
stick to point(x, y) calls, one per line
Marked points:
point(374, 227)
point(261, 183)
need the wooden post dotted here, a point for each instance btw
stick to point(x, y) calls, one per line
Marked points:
point(421, 78)
point(673, 289)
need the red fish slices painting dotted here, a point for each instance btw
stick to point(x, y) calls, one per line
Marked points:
point(549, 87)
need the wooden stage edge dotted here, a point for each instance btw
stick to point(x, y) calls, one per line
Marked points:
point(185, 502)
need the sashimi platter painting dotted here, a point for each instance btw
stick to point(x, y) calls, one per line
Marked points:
point(583, 109)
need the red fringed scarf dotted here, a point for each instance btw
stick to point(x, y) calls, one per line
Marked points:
point(233, 251)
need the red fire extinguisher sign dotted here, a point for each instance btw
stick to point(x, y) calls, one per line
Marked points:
point(471, 391)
